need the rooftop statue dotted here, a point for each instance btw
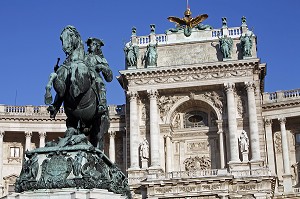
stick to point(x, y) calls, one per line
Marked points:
point(187, 22)
point(131, 53)
point(226, 44)
point(247, 43)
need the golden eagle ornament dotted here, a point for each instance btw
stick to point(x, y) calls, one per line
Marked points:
point(187, 21)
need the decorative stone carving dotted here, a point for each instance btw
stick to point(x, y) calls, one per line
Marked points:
point(277, 142)
point(241, 106)
point(146, 80)
point(197, 163)
point(197, 146)
point(165, 103)
point(133, 95)
point(215, 98)
point(176, 122)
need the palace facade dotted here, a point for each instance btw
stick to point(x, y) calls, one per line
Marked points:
point(196, 123)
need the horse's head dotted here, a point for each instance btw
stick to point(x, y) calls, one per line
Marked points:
point(71, 43)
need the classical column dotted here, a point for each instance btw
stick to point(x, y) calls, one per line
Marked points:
point(253, 125)
point(42, 135)
point(1, 158)
point(28, 135)
point(154, 130)
point(169, 153)
point(270, 145)
point(287, 177)
point(285, 146)
point(133, 126)
point(221, 144)
point(232, 123)
point(112, 146)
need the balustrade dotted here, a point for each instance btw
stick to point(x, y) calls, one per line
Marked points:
point(280, 96)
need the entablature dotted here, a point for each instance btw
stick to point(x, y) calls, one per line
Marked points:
point(191, 75)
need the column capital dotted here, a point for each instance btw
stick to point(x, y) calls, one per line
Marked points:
point(220, 125)
point(250, 86)
point(112, 134)
point(133, 95)
point(282, 120)
point(268, 122)
point(28, 134)
point(152, 93)
point(42, 134)
point(229, 87)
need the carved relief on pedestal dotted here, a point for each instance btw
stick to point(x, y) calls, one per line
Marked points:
point(197, 163)
point(277, 142)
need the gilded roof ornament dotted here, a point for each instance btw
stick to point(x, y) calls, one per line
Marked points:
point(188, 22)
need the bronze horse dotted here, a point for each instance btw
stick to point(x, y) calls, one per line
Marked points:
point(76, 89)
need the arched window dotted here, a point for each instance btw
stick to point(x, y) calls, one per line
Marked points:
point(194, 119)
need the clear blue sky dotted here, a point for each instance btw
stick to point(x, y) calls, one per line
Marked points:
point(30, 29)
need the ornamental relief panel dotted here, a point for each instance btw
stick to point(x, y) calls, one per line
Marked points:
point(277, 142)
point(241, 104)
point(199, 146)
point(193, 76)
point(165, 103)
point(197, 163)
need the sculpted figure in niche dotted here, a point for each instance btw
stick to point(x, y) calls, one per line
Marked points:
point(246, 42)
point(131, 53)
point(244, 141)
point(226, 44)
point(151, 55)
point(144, 149)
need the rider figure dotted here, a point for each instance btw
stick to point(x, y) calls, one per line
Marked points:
point(95, 60)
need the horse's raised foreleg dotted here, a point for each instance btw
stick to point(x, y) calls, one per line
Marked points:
point(48, 95)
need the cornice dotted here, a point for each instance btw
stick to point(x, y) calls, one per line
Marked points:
point(194, 68)
point(279, 105)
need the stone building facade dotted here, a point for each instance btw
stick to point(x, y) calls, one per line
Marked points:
point(195, 124)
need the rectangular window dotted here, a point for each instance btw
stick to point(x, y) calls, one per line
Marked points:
point(15, 152)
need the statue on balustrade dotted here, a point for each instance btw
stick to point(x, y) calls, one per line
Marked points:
point(244, 142)
point(150, 56)
point(226, 44)
point(247, 43)
point(131, 53)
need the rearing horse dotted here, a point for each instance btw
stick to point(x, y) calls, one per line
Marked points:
point(75, 88)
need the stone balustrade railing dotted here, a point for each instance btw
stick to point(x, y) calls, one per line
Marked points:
point(213, 34)
point(42, 110)
point(281, 96)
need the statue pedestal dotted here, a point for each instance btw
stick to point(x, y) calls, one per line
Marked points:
point(144, 163)
point(72, 167)
point(66, 193)
point(245, 156)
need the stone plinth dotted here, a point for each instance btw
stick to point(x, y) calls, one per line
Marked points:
point(78, 166)
point(65, 194)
